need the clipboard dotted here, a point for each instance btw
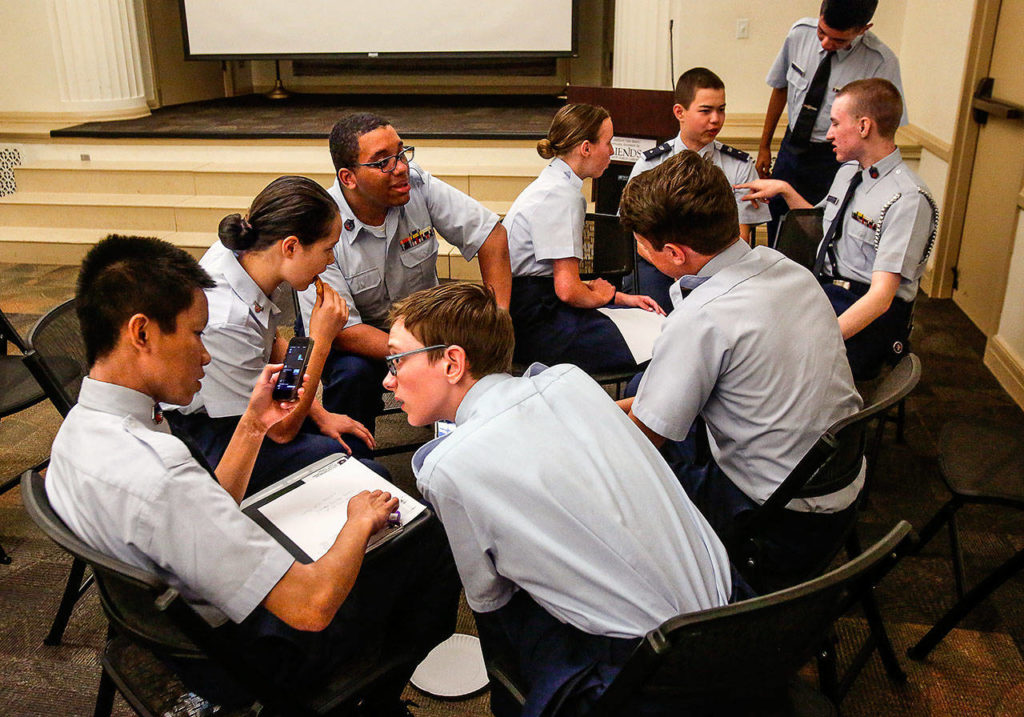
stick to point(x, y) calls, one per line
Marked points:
point(305, 511)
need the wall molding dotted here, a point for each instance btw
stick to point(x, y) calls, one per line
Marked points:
point(916, 135)
point(1006, 366)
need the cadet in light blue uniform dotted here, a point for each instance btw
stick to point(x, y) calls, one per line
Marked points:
point(571, 535)
point(753, 348)
point(879, 225)
point(839, 36)
point(393, 213)
point(130, 489)
point(700, 109)
point(286, 240)
point(554, 312)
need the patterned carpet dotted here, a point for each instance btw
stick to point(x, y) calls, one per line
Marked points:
point(977, 670)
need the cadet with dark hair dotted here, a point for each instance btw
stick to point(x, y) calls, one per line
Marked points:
point(700, 108)
point(285, 240)
point(128, 487)
point(571, 535)
point(819, 56)
point(878, 225)
point(751, 346)
point(554, 311)
point(393, 213)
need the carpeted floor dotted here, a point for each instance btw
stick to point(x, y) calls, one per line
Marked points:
point(977, 670)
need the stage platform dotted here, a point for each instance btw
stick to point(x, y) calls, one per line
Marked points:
point(311, 116)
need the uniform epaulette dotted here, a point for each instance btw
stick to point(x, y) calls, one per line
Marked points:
point(663, 148)
point(734, 153)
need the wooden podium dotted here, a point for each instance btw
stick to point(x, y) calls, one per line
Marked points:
point(642, 114)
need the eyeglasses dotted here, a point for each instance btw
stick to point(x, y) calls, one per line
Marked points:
point(393, 359)
point(389, 164)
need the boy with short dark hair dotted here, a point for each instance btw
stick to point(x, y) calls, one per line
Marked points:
point(128, 487)
point(700, 108)
point(751, 346)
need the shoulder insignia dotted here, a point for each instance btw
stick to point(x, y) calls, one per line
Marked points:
point(663, 148)
point(735, 153)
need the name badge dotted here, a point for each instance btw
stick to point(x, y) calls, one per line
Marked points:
point(797, 69)
point(831, 200)
point(416, 238)
point(857, 216)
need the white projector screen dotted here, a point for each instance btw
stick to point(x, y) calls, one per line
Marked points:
point(237, 29)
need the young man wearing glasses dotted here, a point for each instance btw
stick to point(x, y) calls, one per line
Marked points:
point(392, 213)
point(571, 535)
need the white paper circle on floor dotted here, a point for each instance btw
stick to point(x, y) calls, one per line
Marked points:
point(455, 668)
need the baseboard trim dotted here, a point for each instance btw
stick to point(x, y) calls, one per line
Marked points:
point(1007, 366)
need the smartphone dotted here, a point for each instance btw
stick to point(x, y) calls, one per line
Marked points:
point(290, 378)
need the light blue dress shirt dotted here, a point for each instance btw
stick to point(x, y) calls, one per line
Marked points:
point(546, 485)
point(801, 53)
point(545, 222)
point(372, 272)
point(239, 335)
point(889, 226)
point(130, 489)
point(737, 171)
point(756, 351)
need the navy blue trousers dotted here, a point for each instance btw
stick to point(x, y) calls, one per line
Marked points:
point(550, 331)
point(275, 460)
point(810, 171)
point(406, 591)
point(884, 340)
point(650, 282)
point(352, 385)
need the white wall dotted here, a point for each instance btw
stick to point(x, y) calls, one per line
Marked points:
point(29, 82)
point(705, 34)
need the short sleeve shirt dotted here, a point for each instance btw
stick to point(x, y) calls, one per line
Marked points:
point(545, 222)
point(756, 351)
point(545, 485)
point(737, 165)
point(130, 489)
point(239, 334)
point(372, 272)
point(801, 53)
point(889, 224)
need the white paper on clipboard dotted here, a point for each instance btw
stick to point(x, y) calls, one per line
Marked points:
point(313, 514)
point(638, 327)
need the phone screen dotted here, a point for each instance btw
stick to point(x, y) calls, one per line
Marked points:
point(290, 378)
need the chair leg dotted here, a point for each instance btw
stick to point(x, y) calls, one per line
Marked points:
point(5, 559)
point(901, 416)
point(880, 636)
point(828, 679)
point(963, 606)
point(937, 521)
point(957, 553)
point(73, 590)
point(105, 696)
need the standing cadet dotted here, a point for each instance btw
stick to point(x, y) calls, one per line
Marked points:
point(700, 108)
point(879, 226)
point(393, 213)
point(818, 57)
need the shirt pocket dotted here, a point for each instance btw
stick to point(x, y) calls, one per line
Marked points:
point(420, 263)
point(863, 243)
point(365, 284)
point(796, 80)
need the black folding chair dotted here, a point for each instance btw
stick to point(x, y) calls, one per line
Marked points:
point(981, 463)
point(56, 358)
point(18, 391)
point(799, 235)
point(150, 621)
point(741, 658)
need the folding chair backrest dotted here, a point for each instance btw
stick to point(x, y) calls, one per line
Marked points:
point(723, 660)
point(9, 333)
point(799, 235)
point(608, 249)
point(56, 355)
point(895, 386)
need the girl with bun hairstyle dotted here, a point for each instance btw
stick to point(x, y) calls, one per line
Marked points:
point(282, 243)
point(554, 312)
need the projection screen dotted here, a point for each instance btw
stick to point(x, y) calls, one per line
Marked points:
point(240, 29)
